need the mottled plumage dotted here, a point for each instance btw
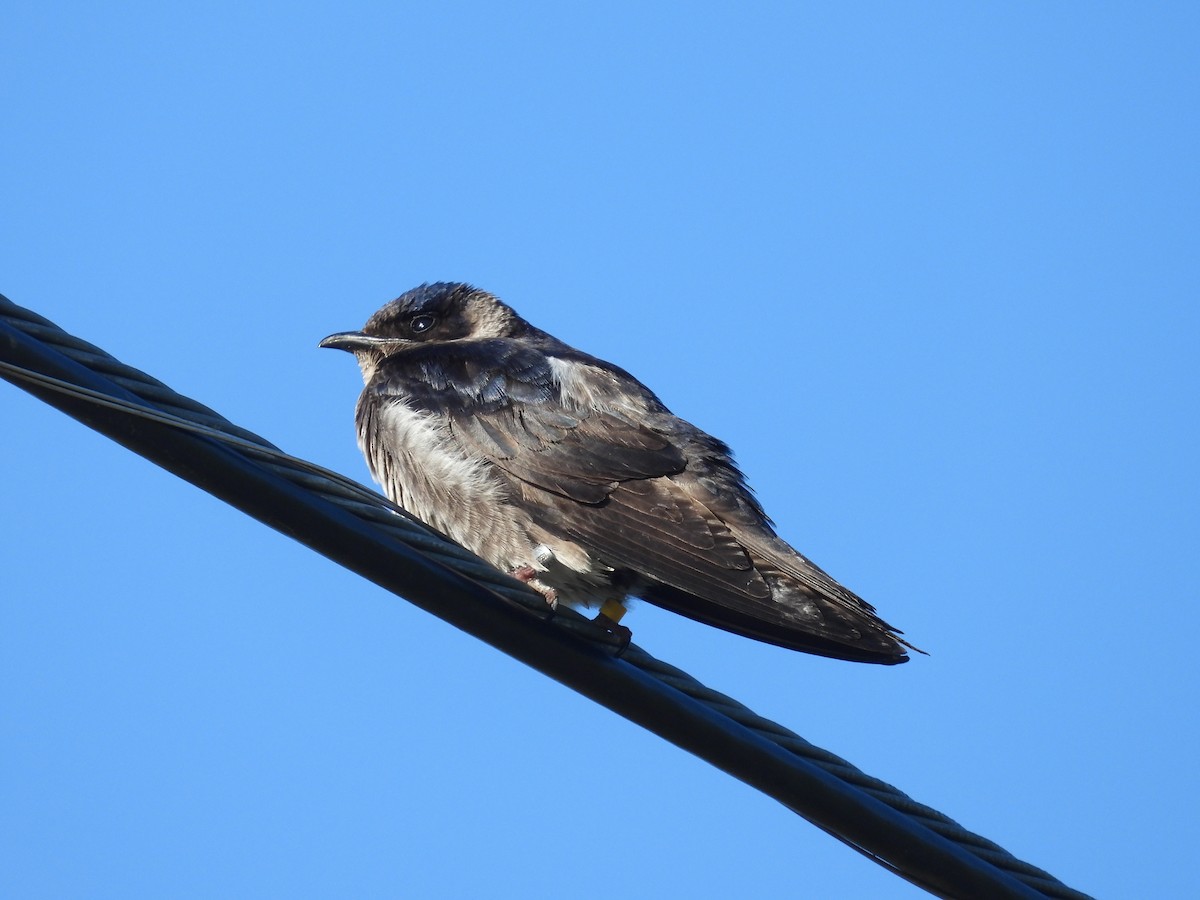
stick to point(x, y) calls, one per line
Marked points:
point(547, 461)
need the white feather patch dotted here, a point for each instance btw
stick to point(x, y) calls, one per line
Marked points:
point(590, 387)
point(423, 468)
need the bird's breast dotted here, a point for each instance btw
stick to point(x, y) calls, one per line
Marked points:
point(421, 466)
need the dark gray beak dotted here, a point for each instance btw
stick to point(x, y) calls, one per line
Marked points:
point(351, 341)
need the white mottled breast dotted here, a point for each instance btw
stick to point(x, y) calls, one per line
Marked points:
point(421, 467)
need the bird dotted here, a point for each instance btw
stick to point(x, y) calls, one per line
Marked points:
point(567, 472)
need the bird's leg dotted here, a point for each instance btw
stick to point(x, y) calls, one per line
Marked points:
point(528, 575)
point(610, 615)
point(613, 610)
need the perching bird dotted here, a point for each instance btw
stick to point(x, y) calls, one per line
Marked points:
point(569, 473)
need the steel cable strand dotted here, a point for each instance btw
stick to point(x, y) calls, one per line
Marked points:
point(167, 406)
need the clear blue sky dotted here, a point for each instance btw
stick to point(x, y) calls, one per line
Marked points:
point(931, 270)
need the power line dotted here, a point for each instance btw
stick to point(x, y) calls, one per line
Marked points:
point(361, 530)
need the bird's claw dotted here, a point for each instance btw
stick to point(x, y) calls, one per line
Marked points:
point(528, 575)
point(615, 628)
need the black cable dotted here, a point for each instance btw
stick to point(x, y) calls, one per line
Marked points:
point(364, 532)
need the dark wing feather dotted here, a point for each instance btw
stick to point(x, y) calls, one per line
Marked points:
point(605, 480)
point(653, 528)
point(581, 455)
point(594, 475)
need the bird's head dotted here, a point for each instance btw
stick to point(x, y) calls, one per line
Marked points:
point(431, 313)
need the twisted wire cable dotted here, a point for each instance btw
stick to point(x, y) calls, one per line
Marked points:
point(362, 530)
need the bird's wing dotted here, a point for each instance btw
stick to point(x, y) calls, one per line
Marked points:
point(599, 476)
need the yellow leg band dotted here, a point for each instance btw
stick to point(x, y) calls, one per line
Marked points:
point(613, 609)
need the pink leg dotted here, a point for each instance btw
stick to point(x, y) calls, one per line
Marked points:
point(528, 575)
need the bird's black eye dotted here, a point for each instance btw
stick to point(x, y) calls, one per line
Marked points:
point(421, 324)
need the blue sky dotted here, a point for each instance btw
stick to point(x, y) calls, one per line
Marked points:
point(931, 270)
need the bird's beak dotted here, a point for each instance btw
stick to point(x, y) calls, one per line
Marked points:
point(354, 341)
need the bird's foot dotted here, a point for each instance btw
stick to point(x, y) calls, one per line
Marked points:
point(528, 575)
point(609, 618)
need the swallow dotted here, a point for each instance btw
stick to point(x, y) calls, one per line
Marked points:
point(569, 473)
